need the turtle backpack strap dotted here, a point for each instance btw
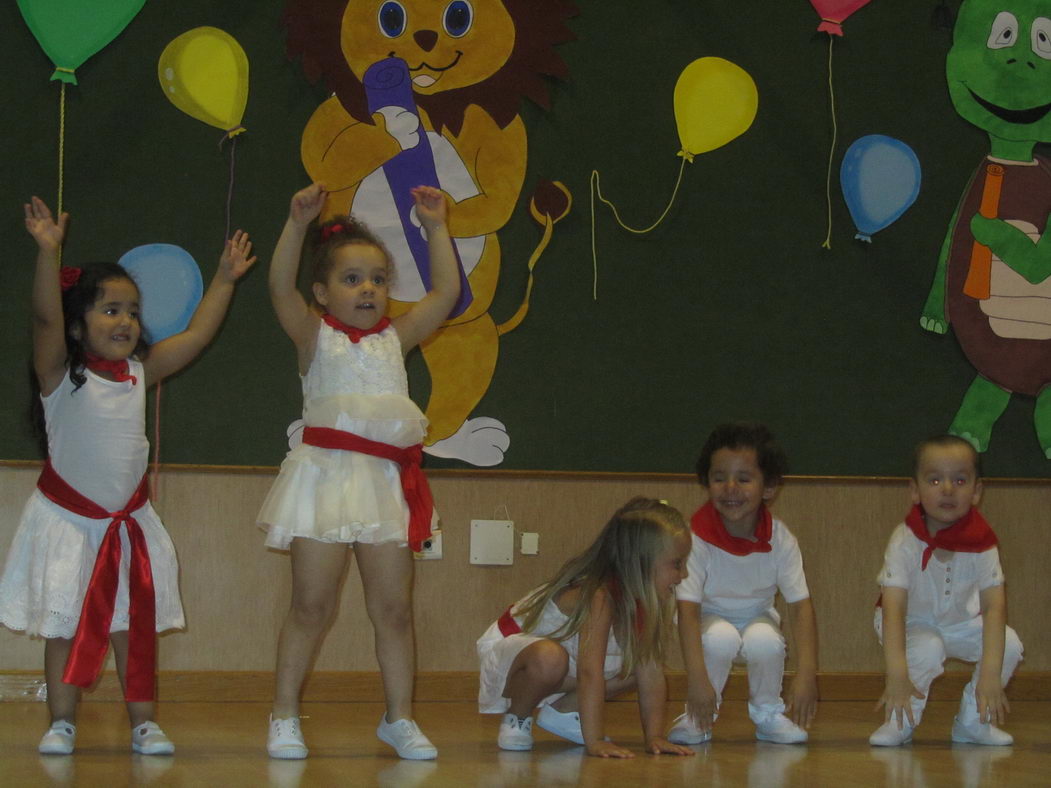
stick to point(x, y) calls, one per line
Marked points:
point(979, 271)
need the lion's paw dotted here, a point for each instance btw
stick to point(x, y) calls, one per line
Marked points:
point(481, 441)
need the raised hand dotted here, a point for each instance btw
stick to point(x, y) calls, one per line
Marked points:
point(236, 259)
point(40, 224)
point(431, 208)
point(307, 204)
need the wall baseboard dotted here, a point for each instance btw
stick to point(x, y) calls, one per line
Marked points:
point(439, 686)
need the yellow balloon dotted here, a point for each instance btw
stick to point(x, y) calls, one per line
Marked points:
point(204, 72)
point(715, 102)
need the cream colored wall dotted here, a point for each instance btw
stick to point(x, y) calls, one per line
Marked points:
point(235, 591)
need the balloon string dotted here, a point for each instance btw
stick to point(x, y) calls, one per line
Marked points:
point(596, 189)
point(230, 188)
point(831, 151)
point(61, 154)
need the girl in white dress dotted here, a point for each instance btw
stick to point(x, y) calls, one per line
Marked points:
point(355, 481)
point(595, 630)
point(91, 563)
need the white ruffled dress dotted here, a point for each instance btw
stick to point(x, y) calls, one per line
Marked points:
point(332, 495)
point(97, 444)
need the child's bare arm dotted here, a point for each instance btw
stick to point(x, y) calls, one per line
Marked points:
point(423, 319)
point(293, 312)
point(802, 700)
point(653, 696)
point(172, 354)
point(701, 699)
point(591, 680)
point(899, 689)
point(49, 332)
point(989, 691)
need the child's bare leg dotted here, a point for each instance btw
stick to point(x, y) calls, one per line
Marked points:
point(538, 671)
point(62, 698)
point(138, 711)
point(571, 701)
point(316, 571)
point(386, 576)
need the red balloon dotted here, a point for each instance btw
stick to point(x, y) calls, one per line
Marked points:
point(834, 13)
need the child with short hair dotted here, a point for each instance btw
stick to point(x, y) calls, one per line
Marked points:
point(741, 557)
point(595, 630)
point(943, 596)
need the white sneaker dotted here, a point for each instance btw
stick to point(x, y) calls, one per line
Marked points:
point(60, 739)
point(566, 725)
point(516, 733)
point(407, 739)
point(285, 740)
point(779, 729)
point(980, 733)
point(890, 735)
point(149, 739)
point(685, 731)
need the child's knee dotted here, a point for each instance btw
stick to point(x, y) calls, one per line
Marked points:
point(763, 644)
point(721, 642)
point(1012, 650)
point(546, 662)
point(312, 612)
point(392, 614)
point(924, 649)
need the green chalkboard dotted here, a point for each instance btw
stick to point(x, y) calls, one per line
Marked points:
point(730, 309)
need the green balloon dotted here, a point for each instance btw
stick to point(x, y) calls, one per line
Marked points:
point(71, 31)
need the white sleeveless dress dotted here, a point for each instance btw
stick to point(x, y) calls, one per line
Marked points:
point(332, 495)
point(97, 443)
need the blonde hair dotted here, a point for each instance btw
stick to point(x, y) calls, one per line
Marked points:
point(621, 563)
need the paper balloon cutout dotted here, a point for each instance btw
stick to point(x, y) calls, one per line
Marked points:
point(715, 102)
point(170, 285)
point(204, 72)
point(880, 178)
point(834, 13)
point(71, 31)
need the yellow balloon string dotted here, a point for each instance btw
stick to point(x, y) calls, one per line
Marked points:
point(61, 155)
point(832, 150)
point(596, 189)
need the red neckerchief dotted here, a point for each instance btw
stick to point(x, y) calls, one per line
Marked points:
point(708, 526)
point(355, 334)
point(970, 534)
point(413, 482)
point(118, 369)
point(91, 642)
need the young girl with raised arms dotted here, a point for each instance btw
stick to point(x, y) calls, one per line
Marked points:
point(595, 630)
point(741, 558)
point(355, 481)
point(91, 561)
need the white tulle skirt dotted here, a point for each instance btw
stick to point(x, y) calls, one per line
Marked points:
point(49, 565)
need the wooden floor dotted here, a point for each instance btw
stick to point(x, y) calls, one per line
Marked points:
point(223, 745)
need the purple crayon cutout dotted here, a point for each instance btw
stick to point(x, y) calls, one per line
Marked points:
point(387, 84)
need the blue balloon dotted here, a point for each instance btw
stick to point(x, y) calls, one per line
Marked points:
point(880, 178)
point(170, 284)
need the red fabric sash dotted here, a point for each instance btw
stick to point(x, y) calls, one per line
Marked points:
point(708, 526)
point(507, 624)
point(413, 482)
point(118, 369)
point(970, 534)
point(92, 638)
point(355, 334)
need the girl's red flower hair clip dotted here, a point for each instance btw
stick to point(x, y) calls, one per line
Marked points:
point(68, 276)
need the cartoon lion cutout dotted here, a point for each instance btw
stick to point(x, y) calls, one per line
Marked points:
point(428, 92)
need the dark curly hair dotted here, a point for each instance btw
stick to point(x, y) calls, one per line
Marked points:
point(745, 435)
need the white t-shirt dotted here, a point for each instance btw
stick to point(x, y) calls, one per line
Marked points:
point(944, 593)
point(741, 587)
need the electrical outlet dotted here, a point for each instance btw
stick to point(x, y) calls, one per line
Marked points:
point(431, 549)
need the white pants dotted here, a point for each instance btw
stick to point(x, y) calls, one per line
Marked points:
point(927, 646)
point(760, 645)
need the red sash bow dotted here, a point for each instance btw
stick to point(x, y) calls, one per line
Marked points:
point(355, 334)
point(92, 639)
point(119, 369)
point(507, 624)
point(970, 534)
point(708, 526)
point(413, 481)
